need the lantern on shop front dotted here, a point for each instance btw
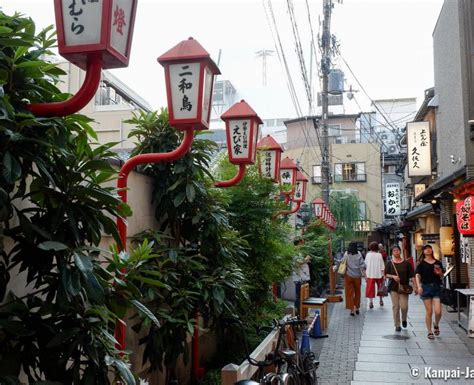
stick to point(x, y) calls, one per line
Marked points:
point(464, 216)
point(418, 240)
point(242, 124)
point(288, 170)
point(101, 28)
point(189, 74)
point(300, 188)
point(270, 158)
point(446, 240)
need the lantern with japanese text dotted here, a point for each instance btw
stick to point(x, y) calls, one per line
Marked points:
point(318, 205)
point(189, 73)
point(270, 158)
point(300, 188)
point(100, 28)
point(288, 170)
point(446, 240)
point(465, 219)
point(242, 124)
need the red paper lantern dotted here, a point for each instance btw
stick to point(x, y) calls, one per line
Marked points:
point(103, 28)
point(189, 74)
point(300, 188)
point(242, 124)
point(270, 158)
point(465, 217)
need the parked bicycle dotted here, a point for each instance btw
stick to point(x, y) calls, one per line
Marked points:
point(290, 366)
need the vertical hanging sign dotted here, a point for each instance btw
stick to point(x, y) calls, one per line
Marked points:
point(464, 249)
point(419, 149)
point(392, 199)
point(184, 88)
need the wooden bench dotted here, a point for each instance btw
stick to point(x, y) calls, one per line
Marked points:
point(307, 302)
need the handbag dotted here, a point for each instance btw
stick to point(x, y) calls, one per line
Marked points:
point(402, 289)
point(342, 267)
point(383, 290)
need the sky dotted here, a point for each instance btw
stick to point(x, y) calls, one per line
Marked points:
point(386, 43)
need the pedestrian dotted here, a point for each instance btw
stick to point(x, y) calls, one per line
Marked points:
point(429, 273)
point(355, 270)
point(400, 271)
point(374, 270)
point(301, 275)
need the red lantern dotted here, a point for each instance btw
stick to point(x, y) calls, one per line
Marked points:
point(242, 125)
point(101, 28)
point(288, 170)
point(270, 158)
point(300, 188)
point(318, 205)
point(465, 219)
point(189, 73)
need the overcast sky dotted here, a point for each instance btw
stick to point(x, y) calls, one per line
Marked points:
point(387, 43)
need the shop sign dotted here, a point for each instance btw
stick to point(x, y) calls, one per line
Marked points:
point(419, 188)
point(392, 199)
point(465, 217)
point(419, 149)
point(465, 249)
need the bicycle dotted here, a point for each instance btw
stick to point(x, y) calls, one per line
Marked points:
point(291, 366)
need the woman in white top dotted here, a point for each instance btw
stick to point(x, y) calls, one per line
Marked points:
point(375, 270)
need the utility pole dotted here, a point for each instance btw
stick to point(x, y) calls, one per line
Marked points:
point(325, 68)
point(325, 164)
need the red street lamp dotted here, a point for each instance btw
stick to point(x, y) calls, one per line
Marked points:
point(270, 158)
point(288, 170)
point(188, 56)
point(189, 73)
point(92, 35)
point(318, 205)
point(299, 196)
point(242, 124)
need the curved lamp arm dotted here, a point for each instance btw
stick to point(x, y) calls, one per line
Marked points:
point(288, 212)
point(183, 148)
point(80, 99)
point(236, 179)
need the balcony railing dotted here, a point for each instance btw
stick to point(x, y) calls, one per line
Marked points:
point(318, 180)
point(351, 178)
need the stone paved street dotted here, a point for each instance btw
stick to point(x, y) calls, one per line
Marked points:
point(366, 349)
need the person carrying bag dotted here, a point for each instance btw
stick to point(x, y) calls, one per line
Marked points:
point(354, 271)
point(400, 272)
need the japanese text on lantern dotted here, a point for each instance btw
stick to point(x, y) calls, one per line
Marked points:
point(299, 190)
point(419, 149)
point(184, 85)
point(267, 164)
point(239, 130)
point(119, 19)
point(392, 199)
point(286, 176)
point(76, 12)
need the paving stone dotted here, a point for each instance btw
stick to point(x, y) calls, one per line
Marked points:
point(403, 378)
point(382, 367)
point(378, 350)
point(384, 358)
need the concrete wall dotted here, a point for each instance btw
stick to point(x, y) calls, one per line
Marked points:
point(449, 75)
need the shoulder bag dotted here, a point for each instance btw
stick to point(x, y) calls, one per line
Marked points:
point(342, 267)
point(402, 289)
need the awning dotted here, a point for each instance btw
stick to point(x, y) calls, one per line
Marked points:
point(445, 184)
point(415, 213)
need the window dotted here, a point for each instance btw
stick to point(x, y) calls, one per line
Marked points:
point(362, 210)
point(316, 174)
point(350, 172)
point(389, 169)
point(334, 130)
point(107, 96)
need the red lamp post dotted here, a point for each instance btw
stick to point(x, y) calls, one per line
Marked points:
point(92, 35)
point(318, 205)
point(288, 170)
point(188, 56)
point(189, 72)
point(270, 158)
point(242, 124)
point(299, 195)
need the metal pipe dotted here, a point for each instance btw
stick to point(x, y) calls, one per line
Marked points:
point(80, 99)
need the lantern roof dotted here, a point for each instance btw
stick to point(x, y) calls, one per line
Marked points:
point(241, 110)
point(269, 143)
point(188, 50)
point(288, 163)
point(318, 200)
point(300, 177)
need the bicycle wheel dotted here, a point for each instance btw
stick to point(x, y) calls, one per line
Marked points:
point(294, 377)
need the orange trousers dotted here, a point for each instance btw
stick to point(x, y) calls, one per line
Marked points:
point(352, 291)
